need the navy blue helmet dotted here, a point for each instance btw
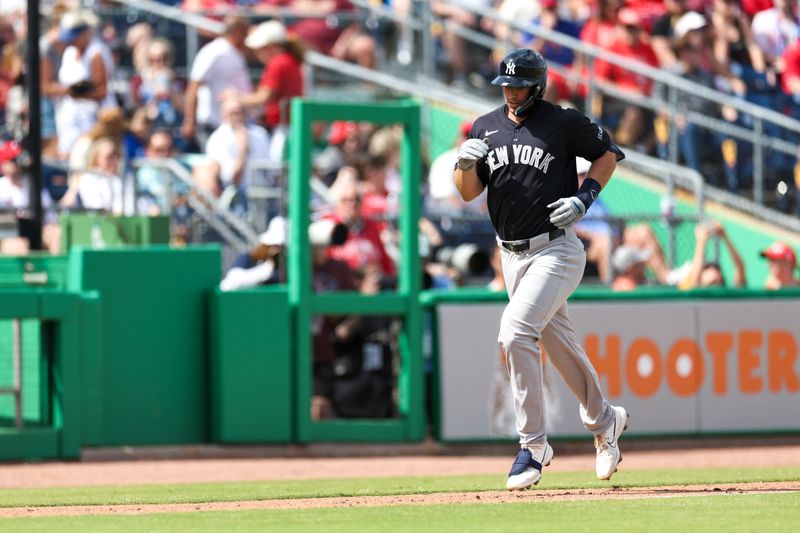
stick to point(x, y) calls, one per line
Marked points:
point(523, 68)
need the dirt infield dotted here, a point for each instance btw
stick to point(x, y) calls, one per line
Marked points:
point(445, 498)
point(15, 476)
point(231, 470)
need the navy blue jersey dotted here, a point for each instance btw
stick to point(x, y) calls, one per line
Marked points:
point(532, 164)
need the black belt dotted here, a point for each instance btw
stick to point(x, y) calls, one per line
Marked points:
point(525, 244)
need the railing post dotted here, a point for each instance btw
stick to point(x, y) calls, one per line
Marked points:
point(758, 161)
point(16, 341)
point(673, 127)
point(588, 104)
point(428, 60)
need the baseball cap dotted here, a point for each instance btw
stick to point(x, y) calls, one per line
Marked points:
point(690, 21)
point(73, 23)
point(276, 232)
point(626, 257)
point(9, 150)
point(340, 131)
point(546, 4)
point(780, 251)
point(266, 33)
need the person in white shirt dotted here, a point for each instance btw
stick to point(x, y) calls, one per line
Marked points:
point(234, 147)
point(14, 189)
point(217, 67)
point(100, 187)
point(86, 67)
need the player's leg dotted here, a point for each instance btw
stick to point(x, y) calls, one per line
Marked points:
point(538, 284)
point(606, 421)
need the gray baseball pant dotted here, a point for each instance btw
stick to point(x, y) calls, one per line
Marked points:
point(538, 282)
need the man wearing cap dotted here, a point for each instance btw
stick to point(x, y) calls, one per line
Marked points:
point(218, 66)
point(782, 262)
point(629, 263)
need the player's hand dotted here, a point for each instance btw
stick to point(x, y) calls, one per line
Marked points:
point(566, 212)
point(470, 152)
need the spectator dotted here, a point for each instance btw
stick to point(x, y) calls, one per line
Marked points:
point(697, 145)
point(321, 28)
point(364, 245)
point(137, 39)
point(110, 124)
point(596, 233)
point(10, 64)
point(663, 38)
point(156, 88)
point(782, 262)
point(234, 147)
point(50, 51)
point(442, 192)
point(790, 78)
point(86, 67)
point(704, 273)
point(260, 266)
point(734, 47)
point(329, 274)
point(281, 80)
point(632, 122)
point(218, 66)
point(775, 29)
point(455, 46)
point(14, 188)
point(558, 87)
point(100, 187)
point(153, 183)
point(629, 264)
point(498, 282)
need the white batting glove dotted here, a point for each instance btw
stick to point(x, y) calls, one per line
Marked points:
point(566, 212)
point(470, 152)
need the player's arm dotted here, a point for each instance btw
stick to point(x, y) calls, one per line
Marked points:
point(602, 168)
point(465, 176)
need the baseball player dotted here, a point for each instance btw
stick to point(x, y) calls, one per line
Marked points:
point(524, 152)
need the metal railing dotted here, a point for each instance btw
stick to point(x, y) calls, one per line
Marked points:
point(672, 83)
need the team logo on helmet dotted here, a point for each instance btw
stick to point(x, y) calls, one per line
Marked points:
point(510, 67)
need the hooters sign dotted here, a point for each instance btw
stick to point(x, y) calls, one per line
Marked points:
point(677, 366)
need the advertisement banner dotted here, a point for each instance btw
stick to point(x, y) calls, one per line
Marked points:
point(679, 367)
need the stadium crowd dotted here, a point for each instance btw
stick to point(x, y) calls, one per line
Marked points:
point(115, 102)
point(114, 92)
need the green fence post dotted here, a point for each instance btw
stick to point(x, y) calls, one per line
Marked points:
point(403, 303)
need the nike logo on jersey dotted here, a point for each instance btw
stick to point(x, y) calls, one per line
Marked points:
point(523, 154)
point(487, 132)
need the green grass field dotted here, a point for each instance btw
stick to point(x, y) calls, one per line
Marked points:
point(724, 512)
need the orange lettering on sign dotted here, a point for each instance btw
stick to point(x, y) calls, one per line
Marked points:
point(608, 365)
point(643, 367)
point(720, 345)
point(749, 343)
point(782, 354)
point(685, 369)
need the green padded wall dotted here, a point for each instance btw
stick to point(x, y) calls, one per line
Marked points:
point(33, 390)
point(151, 379)
point(251, 366)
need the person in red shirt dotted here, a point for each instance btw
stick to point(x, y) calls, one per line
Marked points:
point(282, 79)
point(632, 121)
point(364, 246)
